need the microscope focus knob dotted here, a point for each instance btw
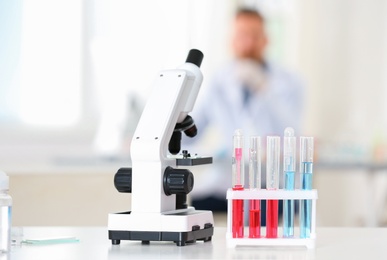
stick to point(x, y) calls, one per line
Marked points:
point(178, 181)
point(123, 180)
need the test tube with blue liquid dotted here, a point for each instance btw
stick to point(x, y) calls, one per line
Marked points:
point(255, 184)
point(272, 183)
point(238, 180)
point(289, 167)
point(306, 171)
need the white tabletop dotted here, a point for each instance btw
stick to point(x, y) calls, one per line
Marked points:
point(332, 243)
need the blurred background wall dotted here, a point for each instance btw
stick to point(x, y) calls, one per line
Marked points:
point(74, 76)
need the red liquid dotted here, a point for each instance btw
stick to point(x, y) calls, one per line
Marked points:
point(255, 219)
point(272, 219)
point(237, 216)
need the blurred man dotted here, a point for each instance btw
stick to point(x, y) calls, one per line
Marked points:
point(249, 93)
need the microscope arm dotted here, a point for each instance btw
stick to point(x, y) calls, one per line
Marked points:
point(173, 97)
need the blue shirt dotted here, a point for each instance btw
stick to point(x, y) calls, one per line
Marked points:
point(226, 105)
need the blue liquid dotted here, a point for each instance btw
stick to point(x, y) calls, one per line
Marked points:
point(289, 207)
point(306, 205)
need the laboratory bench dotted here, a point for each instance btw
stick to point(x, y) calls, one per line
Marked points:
point(93, 243)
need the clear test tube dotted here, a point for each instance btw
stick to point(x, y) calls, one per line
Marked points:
point(306, 172)
point(272, 183)
point(255, 184)
point(238, 180)
point(289, 167)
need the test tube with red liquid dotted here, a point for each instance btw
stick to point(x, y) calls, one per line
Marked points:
point(272, 183)
point(238, 180)
point(255, 184)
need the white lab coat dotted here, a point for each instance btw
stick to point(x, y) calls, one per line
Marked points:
point(221, 107)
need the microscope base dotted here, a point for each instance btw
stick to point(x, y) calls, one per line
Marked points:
point(181, 228)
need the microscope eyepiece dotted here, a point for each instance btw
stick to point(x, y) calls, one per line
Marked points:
point(195, 56)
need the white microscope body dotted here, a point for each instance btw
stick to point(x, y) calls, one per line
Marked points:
point(158, 188)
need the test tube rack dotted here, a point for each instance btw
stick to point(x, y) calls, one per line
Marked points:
point(280, 194)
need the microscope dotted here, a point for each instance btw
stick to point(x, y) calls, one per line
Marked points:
point(158, 188)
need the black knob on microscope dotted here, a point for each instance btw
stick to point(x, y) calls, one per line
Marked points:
point(178, 181)
point(123, 180)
